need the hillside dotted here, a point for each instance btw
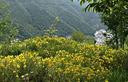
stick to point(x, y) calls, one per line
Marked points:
point(33, 16)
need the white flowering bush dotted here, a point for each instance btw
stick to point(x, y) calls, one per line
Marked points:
point(102, 36)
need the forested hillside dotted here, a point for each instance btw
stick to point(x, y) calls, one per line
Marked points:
point(33, 16)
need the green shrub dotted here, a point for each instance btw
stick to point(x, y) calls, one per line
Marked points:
point(78, 36)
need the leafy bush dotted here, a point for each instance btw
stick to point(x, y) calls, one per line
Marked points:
point(78, 36)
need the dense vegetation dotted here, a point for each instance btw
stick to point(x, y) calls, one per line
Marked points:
point(57, 59)
point(114, 14)
point(50, 58)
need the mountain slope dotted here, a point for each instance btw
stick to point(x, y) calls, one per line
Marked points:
point(35, 15)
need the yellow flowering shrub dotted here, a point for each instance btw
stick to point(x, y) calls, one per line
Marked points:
point(57, 59)
point(45, 46)
point(24, 67)
point(73, 67)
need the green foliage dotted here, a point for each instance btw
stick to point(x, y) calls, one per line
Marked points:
point(57, 59)
point(78, 36)
point(114, 14)
point(126, 42)
point(118, 75)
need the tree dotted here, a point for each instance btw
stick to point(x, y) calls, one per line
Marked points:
point(51, 31)
point(117, 22)
point(8, 30)
point(114, 14)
